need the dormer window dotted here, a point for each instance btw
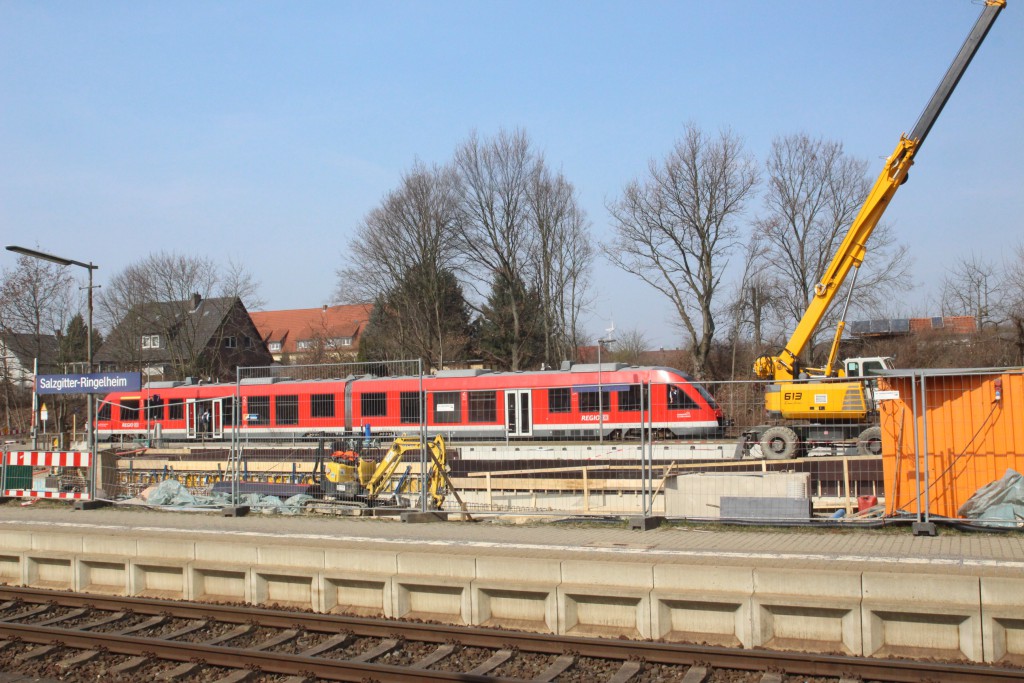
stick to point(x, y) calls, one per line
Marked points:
point(151, 341)
point(274, 346)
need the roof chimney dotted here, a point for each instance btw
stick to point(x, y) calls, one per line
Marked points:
point(196, 300)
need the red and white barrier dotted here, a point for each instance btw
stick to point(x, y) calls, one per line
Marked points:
point(50, 459)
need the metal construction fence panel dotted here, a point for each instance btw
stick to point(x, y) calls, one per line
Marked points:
point(606, 440)
point(63, 475)
point(948, 435)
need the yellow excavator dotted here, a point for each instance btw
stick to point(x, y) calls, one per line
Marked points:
point(809, 407)
point(349, 477)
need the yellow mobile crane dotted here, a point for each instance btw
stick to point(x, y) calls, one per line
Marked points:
point(809, 407)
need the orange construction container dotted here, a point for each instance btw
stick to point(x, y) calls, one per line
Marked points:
point(969, 423)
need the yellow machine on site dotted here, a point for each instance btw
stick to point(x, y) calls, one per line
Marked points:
point(350, 477)
point(809, 407)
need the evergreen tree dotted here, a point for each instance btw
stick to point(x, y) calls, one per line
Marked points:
point(512, 306)
point(425, 315)
point(73, 345)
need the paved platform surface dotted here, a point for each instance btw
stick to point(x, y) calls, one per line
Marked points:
point(886, 549)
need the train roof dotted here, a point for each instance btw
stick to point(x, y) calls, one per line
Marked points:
point(567, 368)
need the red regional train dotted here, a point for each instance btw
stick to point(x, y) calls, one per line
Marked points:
point(462, 404)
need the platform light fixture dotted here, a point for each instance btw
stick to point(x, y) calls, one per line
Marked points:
point(607, 339)
point(90, 446)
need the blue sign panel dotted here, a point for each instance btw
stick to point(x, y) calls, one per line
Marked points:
point(91, 383)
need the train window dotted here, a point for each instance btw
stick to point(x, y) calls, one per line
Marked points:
point(448, 407)
point(679, 399)
point(374, 404)
point(594, 401)
point(409, 407)
point(227, 410)
point(321, 405)
point(287, 410)
point(631, 399)
point(705, 394)
point(260, 407)
point(483, 406)
point(104, 412)
point(560, 400)
point(176, 409)
point(129, 409)
point(155, 408)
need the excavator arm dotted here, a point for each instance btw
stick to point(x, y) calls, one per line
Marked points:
point(850, 255)
point(437, 466)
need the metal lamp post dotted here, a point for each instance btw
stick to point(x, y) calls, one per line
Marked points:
point(600, 389)
point(88, 342)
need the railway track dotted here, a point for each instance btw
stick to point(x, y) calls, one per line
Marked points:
point(65, 636)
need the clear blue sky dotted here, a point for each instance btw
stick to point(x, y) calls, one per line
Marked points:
point(267, 130)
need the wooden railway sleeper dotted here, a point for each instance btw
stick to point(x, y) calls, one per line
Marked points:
point(285, 636)
point(238, 676)
point(130, 665)
point(434, 657)
point(152, 622)
point(697, 674)
point(180, 672)
point(79, 658)
point(496, 660)
point(103, 621)
point(185, 630)
point(627, 671)
point(558, 667)
point(240, 630)
point(70, 615)
point(36, 652)
point(40, 609)
point(339, 640)
point(384, 647)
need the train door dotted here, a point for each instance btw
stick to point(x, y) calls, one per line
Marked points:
point(518, 412)
point(204, 418)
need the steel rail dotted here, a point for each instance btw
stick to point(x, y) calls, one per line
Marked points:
point(796, 663)
point(231, 657)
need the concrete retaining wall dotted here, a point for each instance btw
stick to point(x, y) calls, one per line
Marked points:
point(915, 613)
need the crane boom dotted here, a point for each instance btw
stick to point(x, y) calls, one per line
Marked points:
point(850, 255)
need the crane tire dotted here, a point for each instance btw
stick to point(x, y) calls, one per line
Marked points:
point(870, 441)
point(780, 443)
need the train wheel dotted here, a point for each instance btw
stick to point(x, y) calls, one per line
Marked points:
point(870, 441)
point(780, 443)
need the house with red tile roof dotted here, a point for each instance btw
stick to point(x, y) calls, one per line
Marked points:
point(327, 334)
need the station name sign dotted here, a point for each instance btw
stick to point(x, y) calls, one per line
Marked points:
point(91, 383)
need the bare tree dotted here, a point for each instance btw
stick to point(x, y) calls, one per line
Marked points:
point(36, 303)
point(165, 292)
point(562, 258)
point(494, 226)
point(1014, 301)
point(972, 288)
point(756, 301)
point(237, 280)
point(125, 304)
point(814, 191)
point(630, 347)
point(402, 259)
point(676, 229)
point(36, 297)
